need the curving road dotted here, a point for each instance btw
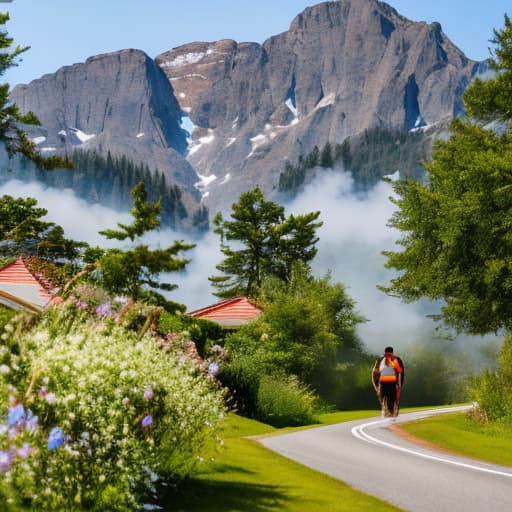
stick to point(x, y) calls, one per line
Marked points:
point(367, 455)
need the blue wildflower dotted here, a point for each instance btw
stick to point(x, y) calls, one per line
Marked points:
point(32, 422)
point(16, 414)
point(147, 421)
point(55, 439)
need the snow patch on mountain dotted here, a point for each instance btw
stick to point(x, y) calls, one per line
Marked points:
point(186, 58)
point(203, 183)
point(225, 179)
point(194, 146)
point(291, 106)
point(326, 101)
point(82, 136)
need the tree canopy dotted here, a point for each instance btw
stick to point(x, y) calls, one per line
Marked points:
point(267, 243)
point(307, 329)
point(22, 230)
point(456, 227)
point(134, 271)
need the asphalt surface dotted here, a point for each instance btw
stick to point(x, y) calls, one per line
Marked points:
point(370, 457)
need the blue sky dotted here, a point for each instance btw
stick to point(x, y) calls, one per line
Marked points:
point(62, 32)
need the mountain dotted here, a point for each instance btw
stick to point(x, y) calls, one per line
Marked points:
point(119, 102)
point(230, 115)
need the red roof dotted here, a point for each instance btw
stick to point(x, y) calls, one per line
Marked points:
point(229, 312)
point(19, 281)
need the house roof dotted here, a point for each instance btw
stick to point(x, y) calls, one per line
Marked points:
point(21, 285)
point(229, 313)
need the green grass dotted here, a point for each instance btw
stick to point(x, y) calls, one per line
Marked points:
point(248, 477)
point(460, 434)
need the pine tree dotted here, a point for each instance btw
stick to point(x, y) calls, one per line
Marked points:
point(270, 244)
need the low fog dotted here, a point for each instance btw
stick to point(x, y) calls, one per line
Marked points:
point(353, 235)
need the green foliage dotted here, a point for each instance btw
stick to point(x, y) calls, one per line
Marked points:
point(378, 152)
point(326, 156)
point(312, 322)
point(202, 332)
point(145, 215)
point(23, 231)
point(493, 391)
point(242, 373)
point(434, 376)
point(269, 241)
point(109, 181)
point(306, 330)
point(130, 414)
point(6, 314)
point(133, 272)
point(456, 227)
point(491, 99)
point(284, 401)
point(369, 156)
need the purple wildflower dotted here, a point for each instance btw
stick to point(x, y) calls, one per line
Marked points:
point(147, 421)
point(149, 393)
point(213, 368)
point(25, 451)
point(103, 310)
point(56, 438)
point(125, 401)
point(43, 392)
point(5, 460)
point(81, 305)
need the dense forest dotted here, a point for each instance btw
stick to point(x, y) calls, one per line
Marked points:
point(374, 153)
point(109, 180)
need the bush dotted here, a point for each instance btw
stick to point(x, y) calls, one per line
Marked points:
point(202, 332)
point(94, 418)
point(241, 375)
point(493, 391)
point(283, 401)
point(5, 316)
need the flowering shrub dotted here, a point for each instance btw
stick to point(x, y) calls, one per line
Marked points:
point(94, 418)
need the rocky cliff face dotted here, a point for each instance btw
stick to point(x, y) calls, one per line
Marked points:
point(119, 102)
point(341, 67)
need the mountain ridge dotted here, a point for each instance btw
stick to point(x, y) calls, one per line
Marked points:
point(340, 68)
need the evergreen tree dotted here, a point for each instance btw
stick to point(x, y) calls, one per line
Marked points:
point(326, 156)
point(22, 230)
point(134, 271)
point(270, 243)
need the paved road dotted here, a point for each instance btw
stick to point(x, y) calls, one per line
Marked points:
point(367, 455)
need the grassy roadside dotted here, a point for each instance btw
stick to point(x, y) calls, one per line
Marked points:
point(457, 433)
point(248, 477)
